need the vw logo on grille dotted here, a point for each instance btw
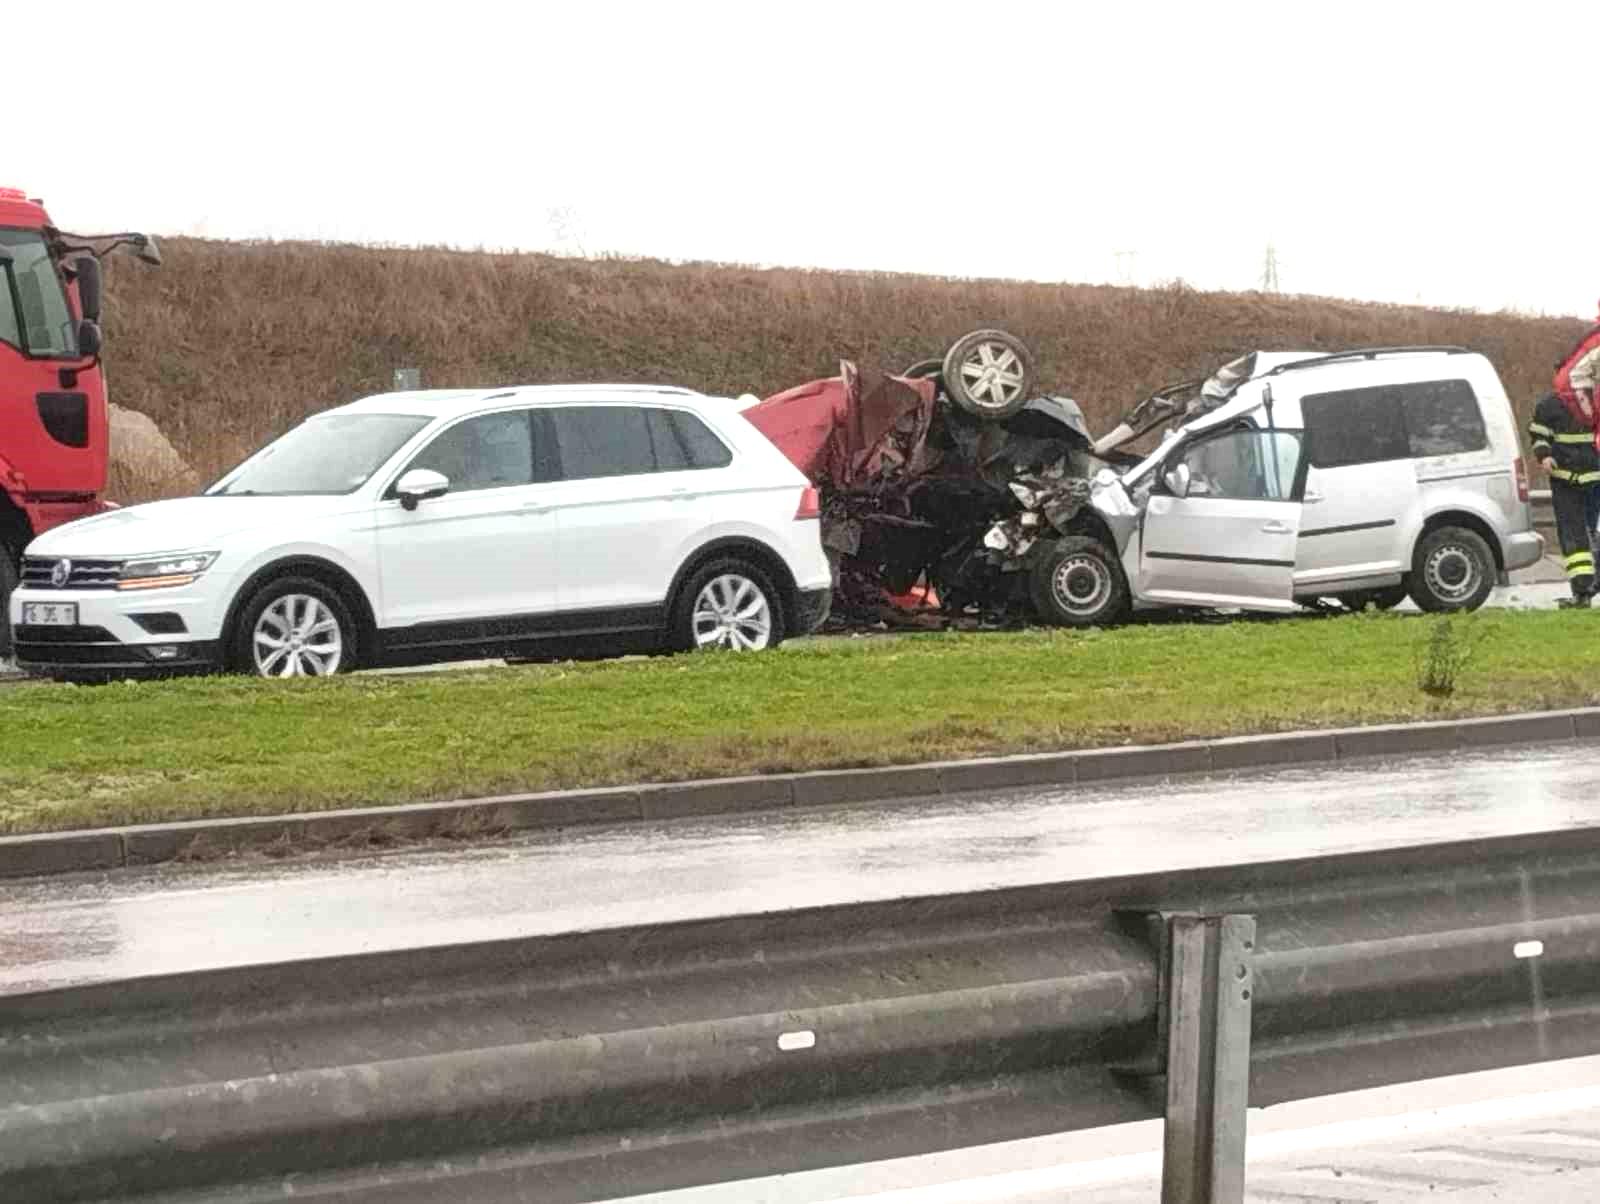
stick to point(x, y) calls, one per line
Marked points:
point(61, 573)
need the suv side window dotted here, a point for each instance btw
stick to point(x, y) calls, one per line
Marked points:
point(486, 452)
point(602, 441)
point(1245, 463)
point(614, 441)
point(682, 442)
point(1393, 422)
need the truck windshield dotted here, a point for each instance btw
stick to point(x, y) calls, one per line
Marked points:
point(331, 454)
point(34, 317)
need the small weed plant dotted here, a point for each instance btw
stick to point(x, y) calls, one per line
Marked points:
point(1445, 655)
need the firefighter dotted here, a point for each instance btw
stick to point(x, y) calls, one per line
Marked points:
point(1565, 442)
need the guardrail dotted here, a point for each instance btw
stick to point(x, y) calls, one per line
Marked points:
point(600, 1064)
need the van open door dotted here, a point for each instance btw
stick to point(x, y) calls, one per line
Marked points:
point(1221, 524)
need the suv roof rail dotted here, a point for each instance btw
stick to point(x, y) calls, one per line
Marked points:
point(630, 388)
point(1368, 353)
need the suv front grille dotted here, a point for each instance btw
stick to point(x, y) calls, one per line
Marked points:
point(38, 573)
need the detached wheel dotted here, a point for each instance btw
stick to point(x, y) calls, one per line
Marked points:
point(1452, 569)
point(1386, 598)
point(8, 583)
point(294, 627)
point(1078, 583)
point(728, 603)
point(988, 373)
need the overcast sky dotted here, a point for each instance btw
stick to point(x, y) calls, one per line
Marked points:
point(1396, 151)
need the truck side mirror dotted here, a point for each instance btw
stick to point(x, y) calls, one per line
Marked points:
point(1177, 480)
point(89, 339)
point(87, 269)
point(149, 252)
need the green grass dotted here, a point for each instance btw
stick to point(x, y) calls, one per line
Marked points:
point(135, 752)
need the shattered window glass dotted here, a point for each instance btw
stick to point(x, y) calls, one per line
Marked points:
point(603, 441)
point(487, 452)
point(1245, 464)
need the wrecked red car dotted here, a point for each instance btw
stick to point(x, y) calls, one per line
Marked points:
point(916, 470)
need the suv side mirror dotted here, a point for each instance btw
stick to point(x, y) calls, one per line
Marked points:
point(87, 269)
point(419, 485)
point(89, 339)
point(1177, 480)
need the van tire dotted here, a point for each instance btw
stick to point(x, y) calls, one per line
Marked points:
point(1452, 569)
point(1077, 582)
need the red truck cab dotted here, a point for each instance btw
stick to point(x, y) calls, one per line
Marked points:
point(53, 415)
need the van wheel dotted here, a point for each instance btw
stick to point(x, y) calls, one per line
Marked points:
point(1078, 583)
point(294, 627)
point(1386, 598)
point(1452, 569)
point(728, 603)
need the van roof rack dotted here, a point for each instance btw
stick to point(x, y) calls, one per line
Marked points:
point(1367, 353)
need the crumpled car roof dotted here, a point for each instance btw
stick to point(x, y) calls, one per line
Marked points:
point(835, 430)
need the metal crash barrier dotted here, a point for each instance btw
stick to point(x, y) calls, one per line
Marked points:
point(601, 1064)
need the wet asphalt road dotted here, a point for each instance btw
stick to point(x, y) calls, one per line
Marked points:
point(95, 927)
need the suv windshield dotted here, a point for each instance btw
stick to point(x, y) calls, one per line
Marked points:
point(332, 454)
point(34, 317)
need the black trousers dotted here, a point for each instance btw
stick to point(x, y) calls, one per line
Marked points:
point(1577, 507)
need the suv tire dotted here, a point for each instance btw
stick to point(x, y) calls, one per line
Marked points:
point(1078, 583)
point(989, 374)
point(301, 608)
point(1453, 569)
point(728, 603)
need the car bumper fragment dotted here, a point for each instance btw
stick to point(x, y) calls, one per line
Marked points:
point(1522, 549)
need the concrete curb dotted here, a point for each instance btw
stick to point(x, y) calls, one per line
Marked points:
point(377, 827)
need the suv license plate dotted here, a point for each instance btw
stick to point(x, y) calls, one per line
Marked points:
point(49, 614)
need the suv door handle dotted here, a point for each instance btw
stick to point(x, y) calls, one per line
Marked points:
point(534, 507)
point(682, 494)
point(1311, 496)
point(1273, 527)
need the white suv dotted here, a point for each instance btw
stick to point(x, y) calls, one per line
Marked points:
point(432, 526)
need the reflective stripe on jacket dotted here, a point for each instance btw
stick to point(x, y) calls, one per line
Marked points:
point(1558, 432)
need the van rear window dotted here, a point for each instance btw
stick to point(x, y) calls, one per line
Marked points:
point(1393, 422)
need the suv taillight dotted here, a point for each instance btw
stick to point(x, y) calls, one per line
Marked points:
point(1521, 471)
point(810, 504)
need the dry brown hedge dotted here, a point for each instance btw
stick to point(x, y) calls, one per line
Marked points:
point(227, 344)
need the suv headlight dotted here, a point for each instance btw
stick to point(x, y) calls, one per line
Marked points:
point(163, 572)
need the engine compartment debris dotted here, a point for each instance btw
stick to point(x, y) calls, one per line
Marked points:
point(940, 485)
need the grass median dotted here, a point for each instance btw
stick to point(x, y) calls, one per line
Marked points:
point(73, 757)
